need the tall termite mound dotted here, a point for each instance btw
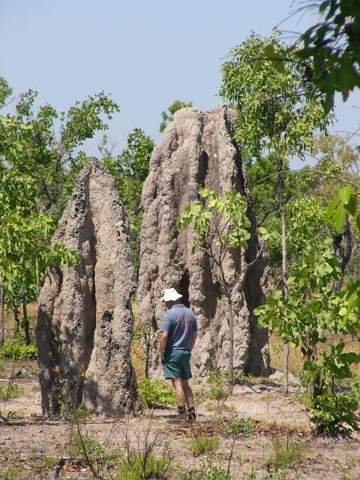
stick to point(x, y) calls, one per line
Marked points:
point(85, 320)
point(198, 149)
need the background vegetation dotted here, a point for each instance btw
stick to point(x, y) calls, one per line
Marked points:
point(309, 219)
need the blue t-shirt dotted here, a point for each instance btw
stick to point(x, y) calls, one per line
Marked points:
point(180, 322)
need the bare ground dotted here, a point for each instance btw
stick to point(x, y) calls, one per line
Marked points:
point(29, 442)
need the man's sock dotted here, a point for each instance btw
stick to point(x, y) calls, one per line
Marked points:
point(181, 409)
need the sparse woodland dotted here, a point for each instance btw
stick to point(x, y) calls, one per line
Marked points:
point(303, 421)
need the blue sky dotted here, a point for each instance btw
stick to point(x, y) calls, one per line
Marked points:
point(145, 53)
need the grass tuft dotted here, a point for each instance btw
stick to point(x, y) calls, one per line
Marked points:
point(286, 454)
point(203, 444)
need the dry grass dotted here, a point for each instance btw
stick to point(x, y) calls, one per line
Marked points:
point(137, 350)
point(138, 356)
point(296, 360)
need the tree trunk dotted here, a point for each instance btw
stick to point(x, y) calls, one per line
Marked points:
point(343, 252)
point(26, 320)
point(16, 318)
point(281, 185)
point(231, 339)
point(2, 314)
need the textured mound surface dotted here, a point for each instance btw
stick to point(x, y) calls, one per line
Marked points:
point(84, 320)
point(198, 150)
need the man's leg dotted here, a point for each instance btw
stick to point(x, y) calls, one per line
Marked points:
point(180, 397)
point(189, 396)
point(179, 391)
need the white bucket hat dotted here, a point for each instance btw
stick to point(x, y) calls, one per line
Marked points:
point(171, 295)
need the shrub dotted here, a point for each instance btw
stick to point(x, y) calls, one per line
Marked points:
point(89, 451)
point(10, 391)
point(335, 413)
point(45, 464)
point(155, 394)
point(207, 471)
point(11, 473)
point(16, 349)
point(203, 444)
point(235, 426)
point(281, 475)
point(249, 475)
point(219, 385)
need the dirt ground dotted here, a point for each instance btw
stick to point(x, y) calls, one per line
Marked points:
point(30, 445)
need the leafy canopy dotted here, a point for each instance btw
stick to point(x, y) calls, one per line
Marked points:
point(277, 108)
point(333, 46)
point(38, 163)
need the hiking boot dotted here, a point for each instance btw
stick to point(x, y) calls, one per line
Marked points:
point(181, 417)
point(191, 414)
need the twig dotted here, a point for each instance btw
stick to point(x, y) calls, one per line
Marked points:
point(320, 172)
point(10, 383)
point(231, 455)
point(83, 446)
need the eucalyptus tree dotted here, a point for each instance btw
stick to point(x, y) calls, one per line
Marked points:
point(333, 46)
point(39, 157)
point(46, 145)
point(315, 312)
point(278, 111)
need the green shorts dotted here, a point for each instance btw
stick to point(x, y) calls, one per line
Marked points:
point(177, 364)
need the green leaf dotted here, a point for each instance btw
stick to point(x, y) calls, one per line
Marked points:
point(351, 205)
point(345, 193)
point(331, 207)
point(339, 218)
point(358, 221)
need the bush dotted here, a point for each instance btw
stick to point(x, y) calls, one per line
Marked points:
point(88, 450)
point(155, 394)
point(10, 391)
point(16, 349)
point(335, 413)
point(219, 385)
point(207, 471)
point(203, 444)
point(281, 475)
point(235, 426)
point(11, 473)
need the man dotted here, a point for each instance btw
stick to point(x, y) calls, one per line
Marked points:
point(177, 339)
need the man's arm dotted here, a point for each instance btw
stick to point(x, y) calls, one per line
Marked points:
point(193, 340)
point(162, 343)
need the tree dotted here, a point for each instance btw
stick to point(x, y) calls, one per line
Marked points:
point(278, 111)
point(5, 91)
point(221, 224)
point(313, 312)
point(25, 234)
point(31, 144)
point(37, 169)
point(130, 170)
point(167, 116)
point(333, 46)
point(338, 163)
